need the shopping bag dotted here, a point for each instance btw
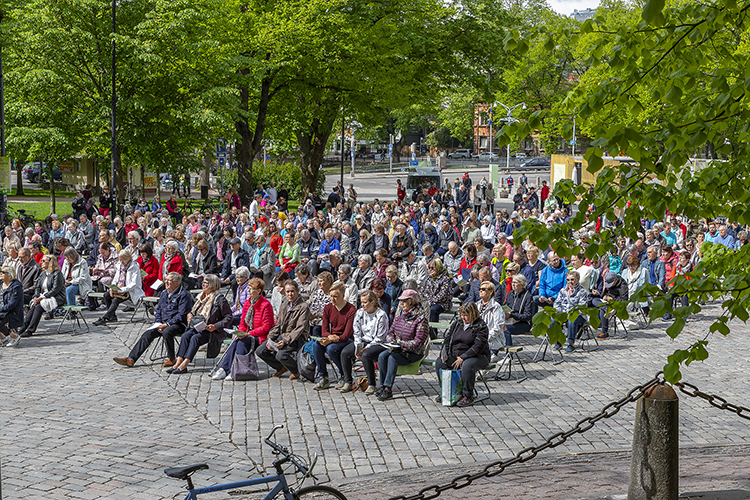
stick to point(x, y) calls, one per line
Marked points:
point(244, 367)
point(451, 387)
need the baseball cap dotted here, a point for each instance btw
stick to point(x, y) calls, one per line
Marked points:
point(514, 215)
point(610, 278)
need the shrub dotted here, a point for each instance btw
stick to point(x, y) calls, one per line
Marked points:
point(288, 174)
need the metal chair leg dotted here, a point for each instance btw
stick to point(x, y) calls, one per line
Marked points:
point(543, 349)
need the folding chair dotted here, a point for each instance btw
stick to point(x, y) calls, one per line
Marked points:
point(543, 346)
point(482, 375)
point(511, 356)
point(585, 335)
point(144, 301)
point(613, 322)
point(413, 368)
point(73, 314)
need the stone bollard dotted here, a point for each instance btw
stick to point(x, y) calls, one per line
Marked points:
point(654, 468)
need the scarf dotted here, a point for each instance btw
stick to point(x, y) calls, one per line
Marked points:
point(167, 261)
point(123, 274)
point(202, 306)
point(256, 256)
point(251, 313)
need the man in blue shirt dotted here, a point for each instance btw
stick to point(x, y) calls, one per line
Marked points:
point(655, 267)
point(724, 238)
point(669, 237)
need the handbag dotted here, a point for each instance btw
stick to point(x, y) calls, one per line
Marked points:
point(244, 367)
point(451, 387)
point(195, 320)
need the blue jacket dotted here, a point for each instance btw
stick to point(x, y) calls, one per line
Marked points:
point(474, 292)
point(528, 272)
point(462, 198)
point(174, 310)
point(552, 280)
point(326, 247)
point(659, 270)
point(243, 259)
point(510, 227)
point(13, 304)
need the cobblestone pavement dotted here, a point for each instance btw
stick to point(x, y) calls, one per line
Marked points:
point(78, 426)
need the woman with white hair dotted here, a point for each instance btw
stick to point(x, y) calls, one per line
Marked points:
point(171, 262)
point(126, 285)
point(11, 259)
point(263, 261)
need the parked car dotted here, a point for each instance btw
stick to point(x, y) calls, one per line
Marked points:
point(460, 153)
point(26, 172)
point(34, 174)
point(536, 162)
point(487, 156)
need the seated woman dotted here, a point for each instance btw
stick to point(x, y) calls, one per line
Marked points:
point(48, 296)
point(150, 266)
point(171, 262)
point(77, 277)
point(212, 312)
point(518, 319)
point(242, 275)
point(410, 332)
point(492, 314)
point(129, 287)
point(466, 349)
point(11, 314)
point(103, 272)
point(378, 287)
point(256, 321)
point(370, 330)
point(12, 260)
point(263, 261)
point(319, 299)
point(437, 289)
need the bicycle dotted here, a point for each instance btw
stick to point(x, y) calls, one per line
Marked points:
point(279, 491)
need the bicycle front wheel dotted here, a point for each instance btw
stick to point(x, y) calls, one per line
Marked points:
point(319, 493)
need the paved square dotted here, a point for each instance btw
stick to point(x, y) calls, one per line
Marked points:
point(75, 425)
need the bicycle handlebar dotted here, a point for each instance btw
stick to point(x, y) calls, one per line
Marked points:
point(301, 467)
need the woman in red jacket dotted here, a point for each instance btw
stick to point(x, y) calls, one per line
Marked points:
point(148, 263)
point(171, 262)
point(256, 319)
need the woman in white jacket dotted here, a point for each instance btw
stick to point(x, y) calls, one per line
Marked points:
point(369, 331)
point(75, 271)
point(492, 314)
point(635, 276)
point(128, 285)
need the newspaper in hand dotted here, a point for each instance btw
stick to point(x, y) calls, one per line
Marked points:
point(507, 308)
point(114, 288)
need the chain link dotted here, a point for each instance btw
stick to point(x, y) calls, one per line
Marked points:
point(497, 467)
point(713, 400)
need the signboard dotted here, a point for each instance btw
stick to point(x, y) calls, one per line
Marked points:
point(413, 163)
point(221, 146)
point(66, 167)
point(149, 181)
point(221, 155)
point(222, 161)
point(5, 183)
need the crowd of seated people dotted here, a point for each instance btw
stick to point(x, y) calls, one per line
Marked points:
point(353, 278)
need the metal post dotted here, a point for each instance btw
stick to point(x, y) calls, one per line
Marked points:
point(390, 154)
point(352, 175)
point(654, 468)
point(490, 133)
point(573, 142)
point(342, 147)
point(113, 182)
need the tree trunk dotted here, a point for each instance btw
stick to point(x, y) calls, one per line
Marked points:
point(313, 141)
point(51, 183)
point(251, 142)
point(19, 179)
point(143, 182)
point(206, 173)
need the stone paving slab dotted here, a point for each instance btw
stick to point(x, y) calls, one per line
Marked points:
point(79, 426)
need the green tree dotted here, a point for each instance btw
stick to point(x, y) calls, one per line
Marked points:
point(691, 63)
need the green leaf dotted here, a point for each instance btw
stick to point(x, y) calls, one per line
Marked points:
point(652, 11)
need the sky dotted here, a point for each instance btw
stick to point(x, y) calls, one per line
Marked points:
point(566, 7)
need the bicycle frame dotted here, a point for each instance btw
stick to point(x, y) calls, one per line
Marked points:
point(280, 479)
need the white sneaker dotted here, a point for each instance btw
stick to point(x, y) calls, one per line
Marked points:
point(229, 377)
point(14, 341)
point(219, 375)
point(5, 341)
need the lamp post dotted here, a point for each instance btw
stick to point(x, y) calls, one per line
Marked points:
point(113, 182)
point(2, 100)
point(508, 119)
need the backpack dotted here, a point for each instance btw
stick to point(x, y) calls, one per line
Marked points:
point(305, 361)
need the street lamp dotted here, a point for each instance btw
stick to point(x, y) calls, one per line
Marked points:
point(507, 119)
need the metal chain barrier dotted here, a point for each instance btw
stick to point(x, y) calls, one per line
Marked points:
point(713, 399)
point(497, 467)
